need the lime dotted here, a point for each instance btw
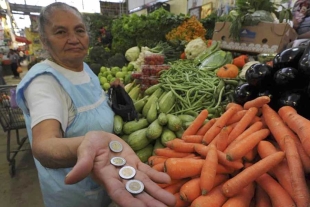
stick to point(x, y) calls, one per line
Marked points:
point(103, 80)
point(106, 86)
point(109, 77)
point(112, 80)
point(124, 69)
point(103, 69)
point(120, 74)
point(130, 67)
point(114, 70)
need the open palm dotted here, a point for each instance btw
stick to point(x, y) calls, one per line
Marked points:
point(94, 157)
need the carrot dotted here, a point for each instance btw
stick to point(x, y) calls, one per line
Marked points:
point(180, 145)
point(175, 188)
point(167, 152)
point(190, 190)
point(258, 102)
point(250, 130)
point(221, 139)
point(301, 194)
point(299, 124)
point(236, 117)
point(201, 149)
point(197, 123)
point(232, 104)
point(155, 159)
point(245, 145)
point(178, 168)
point(218, 125)
point(242, 124)
point(195, 138)
point(279, 130)
point(206, 127)
point(208, 171)
point(221, 169)
point(277, 194)
point(281, 171)
point(262, 198)
point(215, 198)
point(251, 155)
point(236, 164)
point(179, 202)
point(243, 198)
point(159, 167)
point(249, 174)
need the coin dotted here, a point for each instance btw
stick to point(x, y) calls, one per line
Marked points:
point(115, 146)
point(127, 172)
point(118, 161)
point(134, 186)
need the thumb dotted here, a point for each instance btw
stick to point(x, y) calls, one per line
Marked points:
point(81, 170)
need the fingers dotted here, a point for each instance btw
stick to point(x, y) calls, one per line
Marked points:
point(80, 171)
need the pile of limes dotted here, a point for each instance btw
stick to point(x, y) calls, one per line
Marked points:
point(108, 74)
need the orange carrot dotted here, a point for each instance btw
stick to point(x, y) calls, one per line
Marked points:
point(201, 149)
point(155, 159)
point(278, 195)
point(221, 140)
point(243, 198)
point(215, 198)
point(179, 202)
point(240, 61)
point(281, 171)
point(178, 168)
point(232, 104)
point(242, 124)
point(279, 130)
point(249, 174)
point(236, 164)
point(180, 145)
point(262, 198)
point(197, 123)
point(251, 155)
point(208, 171)
point(250, 130)
point(299, 124)
point(221, 169)
point(190, 190)
point(237, 117)
point(218, 125)
point(301, 194)
point(195, 138)
point(159, 167)
point(175, 188)
point(245, 145)
point(167, 152)
point(205, 127)
point(258, 102)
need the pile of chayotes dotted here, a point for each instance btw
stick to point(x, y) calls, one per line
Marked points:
point(250, 156)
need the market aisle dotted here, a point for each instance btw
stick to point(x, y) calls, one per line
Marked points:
point(23, 189)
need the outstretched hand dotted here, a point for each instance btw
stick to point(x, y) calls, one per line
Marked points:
point(94, 158)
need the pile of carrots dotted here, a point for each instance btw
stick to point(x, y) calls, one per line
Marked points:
point(250, 156)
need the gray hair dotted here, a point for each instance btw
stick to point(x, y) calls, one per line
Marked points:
point(47, 12)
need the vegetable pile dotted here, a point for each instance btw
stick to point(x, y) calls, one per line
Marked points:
point(248, 156)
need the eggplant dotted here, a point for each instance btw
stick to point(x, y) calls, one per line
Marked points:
point(260, 75)
point(290, 98)
point(288, 58)
point(288, 78)
point(244, 92)
point(304, 63)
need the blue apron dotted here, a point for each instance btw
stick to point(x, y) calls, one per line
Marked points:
point(92, 113)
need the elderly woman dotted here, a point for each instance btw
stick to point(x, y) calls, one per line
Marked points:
point(301, 18)
point(70, 122)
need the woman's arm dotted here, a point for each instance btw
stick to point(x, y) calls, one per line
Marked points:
point(50, 149)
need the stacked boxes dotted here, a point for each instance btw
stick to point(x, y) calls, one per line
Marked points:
point(153, 65)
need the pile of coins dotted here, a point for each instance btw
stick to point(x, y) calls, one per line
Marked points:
point(126, 172)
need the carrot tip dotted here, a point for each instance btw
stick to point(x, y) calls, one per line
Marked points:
point(228, 157)
point(204, 192)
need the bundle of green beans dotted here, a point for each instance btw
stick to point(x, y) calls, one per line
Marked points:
point(196, 89)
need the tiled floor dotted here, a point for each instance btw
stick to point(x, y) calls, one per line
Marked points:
point(21, 190)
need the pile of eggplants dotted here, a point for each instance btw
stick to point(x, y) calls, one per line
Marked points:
point(287, 82)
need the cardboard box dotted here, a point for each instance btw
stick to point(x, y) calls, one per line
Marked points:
point(265, 37)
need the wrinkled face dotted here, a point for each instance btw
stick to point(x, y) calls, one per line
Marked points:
point(66, 37)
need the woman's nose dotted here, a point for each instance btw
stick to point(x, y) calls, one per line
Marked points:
point(73, 37)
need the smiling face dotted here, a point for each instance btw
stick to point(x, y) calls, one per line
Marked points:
point(66, 39)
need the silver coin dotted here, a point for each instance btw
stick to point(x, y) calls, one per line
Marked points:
point(134, 186)
point(127, 172)
point(115, 146)
point(118, 161)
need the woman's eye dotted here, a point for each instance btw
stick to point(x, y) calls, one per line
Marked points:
point(60, 32)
